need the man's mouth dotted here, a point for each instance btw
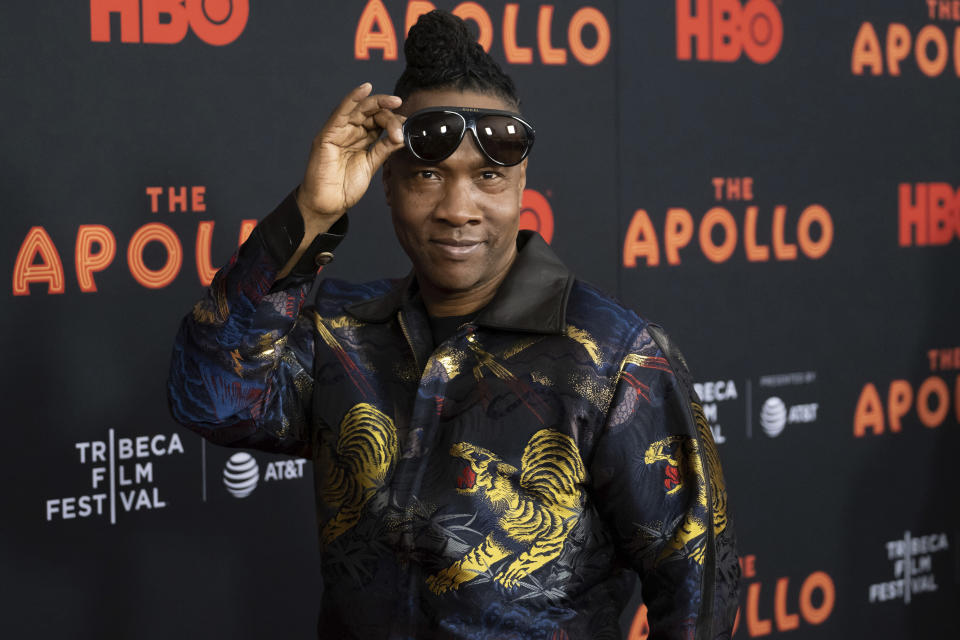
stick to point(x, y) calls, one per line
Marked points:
point(467, 478)
point(456, 248)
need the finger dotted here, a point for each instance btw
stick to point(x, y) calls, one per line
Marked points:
point(380, 151)
point(350, 101)
point(371, 104)
point(389, 122)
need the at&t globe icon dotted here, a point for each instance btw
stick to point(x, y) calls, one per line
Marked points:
point(773, 416)
point(240, 475)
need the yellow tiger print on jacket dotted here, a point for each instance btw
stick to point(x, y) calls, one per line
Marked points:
point(366, 451)
point(551, 472)
point(677, 451)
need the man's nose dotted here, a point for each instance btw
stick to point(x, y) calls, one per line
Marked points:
point(458, 206)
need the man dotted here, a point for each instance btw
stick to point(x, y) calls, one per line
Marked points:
point(496, 444)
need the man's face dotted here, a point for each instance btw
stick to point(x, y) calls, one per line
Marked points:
point(456, 219)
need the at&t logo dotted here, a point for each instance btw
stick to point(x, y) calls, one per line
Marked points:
point(241, 473)
point(775, 416)
point(724, 29)
point(216, 22)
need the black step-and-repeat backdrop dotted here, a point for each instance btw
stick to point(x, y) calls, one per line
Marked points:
point(777, 182)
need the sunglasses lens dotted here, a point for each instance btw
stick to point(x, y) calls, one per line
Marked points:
point(434, 136)
point(503, 138)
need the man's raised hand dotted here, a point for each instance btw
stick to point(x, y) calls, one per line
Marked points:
point(345, 155)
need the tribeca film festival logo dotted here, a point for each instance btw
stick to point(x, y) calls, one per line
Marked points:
point(241, 473)
point(929, 213)
point(121, 477)
point(791, 606)
point(723, 30)
point(912, 558)
point(911, 401)
point(587, 32)
point(906, 48)
point(775, 413)
point(38, 259)
point(216, 22)
point(780, 237)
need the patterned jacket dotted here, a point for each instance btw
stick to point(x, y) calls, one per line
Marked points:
point(503, 484)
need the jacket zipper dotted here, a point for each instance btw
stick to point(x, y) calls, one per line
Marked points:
point(406, 334)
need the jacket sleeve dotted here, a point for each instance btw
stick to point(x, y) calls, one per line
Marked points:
point(241, 373)
point(658, 483)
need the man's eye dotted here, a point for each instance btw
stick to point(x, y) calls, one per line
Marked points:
point(490, 175)
point(426, 174)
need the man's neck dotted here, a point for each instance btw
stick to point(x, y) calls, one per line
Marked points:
point(442, 304)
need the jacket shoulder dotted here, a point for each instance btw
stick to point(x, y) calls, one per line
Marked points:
point(605, 317)
point(332, 294)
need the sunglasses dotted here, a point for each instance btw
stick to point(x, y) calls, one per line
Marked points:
point(434, 134)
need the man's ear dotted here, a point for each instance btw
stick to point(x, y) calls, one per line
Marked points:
point(522, 181)
point(385, 174)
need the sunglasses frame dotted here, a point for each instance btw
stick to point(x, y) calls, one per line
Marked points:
point(469, 116)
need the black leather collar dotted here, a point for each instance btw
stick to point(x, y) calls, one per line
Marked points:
point(532, 298)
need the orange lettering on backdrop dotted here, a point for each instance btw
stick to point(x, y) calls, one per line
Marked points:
point(515, 54)
point(197, 194)
point(640, 627)
point(755, 625)
point(375, 31)
point(536, 214)
point(86, 261)
point(942, 211)
point(956, 51)
point(727, 36)
point(36, 244)
point(177, 198)
point(583, 17)
point(761, 31)
point(154, 232)
point(473, 11)
point(898, 403)
point(913, 214)
point(169, 31)
point(898, 47)
point(785, 621)
point(693, 26)
point(938, 387)
point(934, 67)
point(815, 214)
point(869, 412)
point(548, 54)
point(129, 11)
point(641, 241)
point(956, 399)
point(415, 9)
point(219, 23)
point(822, 582)
point(679, 231)
point(246, 228)
point(154, 194)
point(722, 252)
point(755, 252)
point(205, 270)
point(781, 249)
point(866, 51)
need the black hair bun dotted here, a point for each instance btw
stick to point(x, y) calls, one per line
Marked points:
point(441, 52)
point(441, 41)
